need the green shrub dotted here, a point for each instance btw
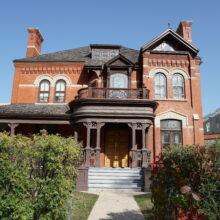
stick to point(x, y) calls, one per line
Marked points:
point(186, 181)
point(37, 175)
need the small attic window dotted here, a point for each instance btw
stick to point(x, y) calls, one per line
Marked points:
point(164, 46)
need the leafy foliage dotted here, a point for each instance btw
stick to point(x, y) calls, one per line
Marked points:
point(37, 175)
point(186, 183)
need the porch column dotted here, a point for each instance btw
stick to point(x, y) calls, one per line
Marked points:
point(87, 148)
point(134, 147)
point(76, 135)
point(98, 149)
point(145, 152)
point(12, 126)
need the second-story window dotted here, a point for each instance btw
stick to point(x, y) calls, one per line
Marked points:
point(60, 91)
point(160, 86)
point(44, 91)
point(178, 86)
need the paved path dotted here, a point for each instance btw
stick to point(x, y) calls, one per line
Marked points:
point(117, 206)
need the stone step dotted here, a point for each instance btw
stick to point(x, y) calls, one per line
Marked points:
point(115, 181)
point(136, 189)
point(114, 186)
point(100, 177)
point(122, 179)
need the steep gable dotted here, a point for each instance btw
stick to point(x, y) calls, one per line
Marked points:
point(170, 41)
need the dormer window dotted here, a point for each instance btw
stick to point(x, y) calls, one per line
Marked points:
point(104, 52)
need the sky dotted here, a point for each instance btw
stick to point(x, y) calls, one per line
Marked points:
point(70, 24)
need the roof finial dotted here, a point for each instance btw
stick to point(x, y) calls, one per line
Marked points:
point(169, 25)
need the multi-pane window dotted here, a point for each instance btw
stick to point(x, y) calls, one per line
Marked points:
point(44, 91)
point(178, 86)
point(160, 85)
point(60, 91)
point(171, 132)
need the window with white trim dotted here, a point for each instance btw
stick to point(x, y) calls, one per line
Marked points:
point(44, 91)
point(160, 87)
point(60, 91)
point(178, 86)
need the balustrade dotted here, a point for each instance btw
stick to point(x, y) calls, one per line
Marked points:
point(113, 93)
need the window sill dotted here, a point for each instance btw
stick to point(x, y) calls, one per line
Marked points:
point(50, 103)
point(174, 100)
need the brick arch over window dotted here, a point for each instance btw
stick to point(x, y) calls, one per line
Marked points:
point(171, 115)
point(159, 70)
point(61, 77)
point(180, 71)
point(43, 77)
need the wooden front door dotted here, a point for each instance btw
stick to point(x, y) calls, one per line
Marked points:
point(116, 148)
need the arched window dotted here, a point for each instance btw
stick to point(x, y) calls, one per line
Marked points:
point(119, 83)
point(171, 132)
point(160, 85)
point(44, 91)
point(178, 86)
point(60, 91)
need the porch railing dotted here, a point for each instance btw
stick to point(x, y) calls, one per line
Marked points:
point(113, 93)
point(140, 158)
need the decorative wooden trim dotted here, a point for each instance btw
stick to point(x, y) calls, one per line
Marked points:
point(168, 63)
point(51, 70)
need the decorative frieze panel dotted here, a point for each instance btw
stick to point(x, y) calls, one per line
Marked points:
point(168, 63)
point(51, 70)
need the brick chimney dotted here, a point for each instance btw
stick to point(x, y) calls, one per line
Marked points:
point(35, 40)
point(184, 30)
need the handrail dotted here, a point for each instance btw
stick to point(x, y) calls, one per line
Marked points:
point(113, 93)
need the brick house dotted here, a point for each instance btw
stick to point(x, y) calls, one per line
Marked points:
point(212, 127)
point(125, 105)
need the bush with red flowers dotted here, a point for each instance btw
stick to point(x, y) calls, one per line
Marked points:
point(186, 183)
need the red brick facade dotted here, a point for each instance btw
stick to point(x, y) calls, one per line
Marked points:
point(188, 110)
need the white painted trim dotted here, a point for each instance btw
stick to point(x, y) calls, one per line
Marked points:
point(43, 77)
point(171, 114)
point(61, 77)
point(34, 48)
point(174, 100)
point(27, 85)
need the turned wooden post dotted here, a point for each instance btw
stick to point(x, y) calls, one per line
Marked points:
point(87, 148)
point(98, 149)
point(134, 147)
point(12, 126)
point(145, 160)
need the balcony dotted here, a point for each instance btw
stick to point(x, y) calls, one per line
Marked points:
point(112, 93)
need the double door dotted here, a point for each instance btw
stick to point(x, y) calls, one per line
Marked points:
point(116, 148)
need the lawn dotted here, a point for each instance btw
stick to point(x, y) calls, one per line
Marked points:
point(82, 205)
point(145, 205)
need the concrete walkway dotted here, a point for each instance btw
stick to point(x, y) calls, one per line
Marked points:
point(117, 206)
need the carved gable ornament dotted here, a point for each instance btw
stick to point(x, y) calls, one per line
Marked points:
point(164, 46)
point(161, 43)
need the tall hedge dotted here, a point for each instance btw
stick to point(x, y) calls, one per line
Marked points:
point(37, 175)
point(186, 183)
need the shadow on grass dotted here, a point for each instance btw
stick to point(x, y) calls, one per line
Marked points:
point(145, 204)
point(127, 215)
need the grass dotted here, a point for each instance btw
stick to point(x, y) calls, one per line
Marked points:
point(83, 204)
point(145, 205)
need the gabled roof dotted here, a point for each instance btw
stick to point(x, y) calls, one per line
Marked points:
point(82, 54)
point(211, 115)
point(178, 41)
point(121, 60)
